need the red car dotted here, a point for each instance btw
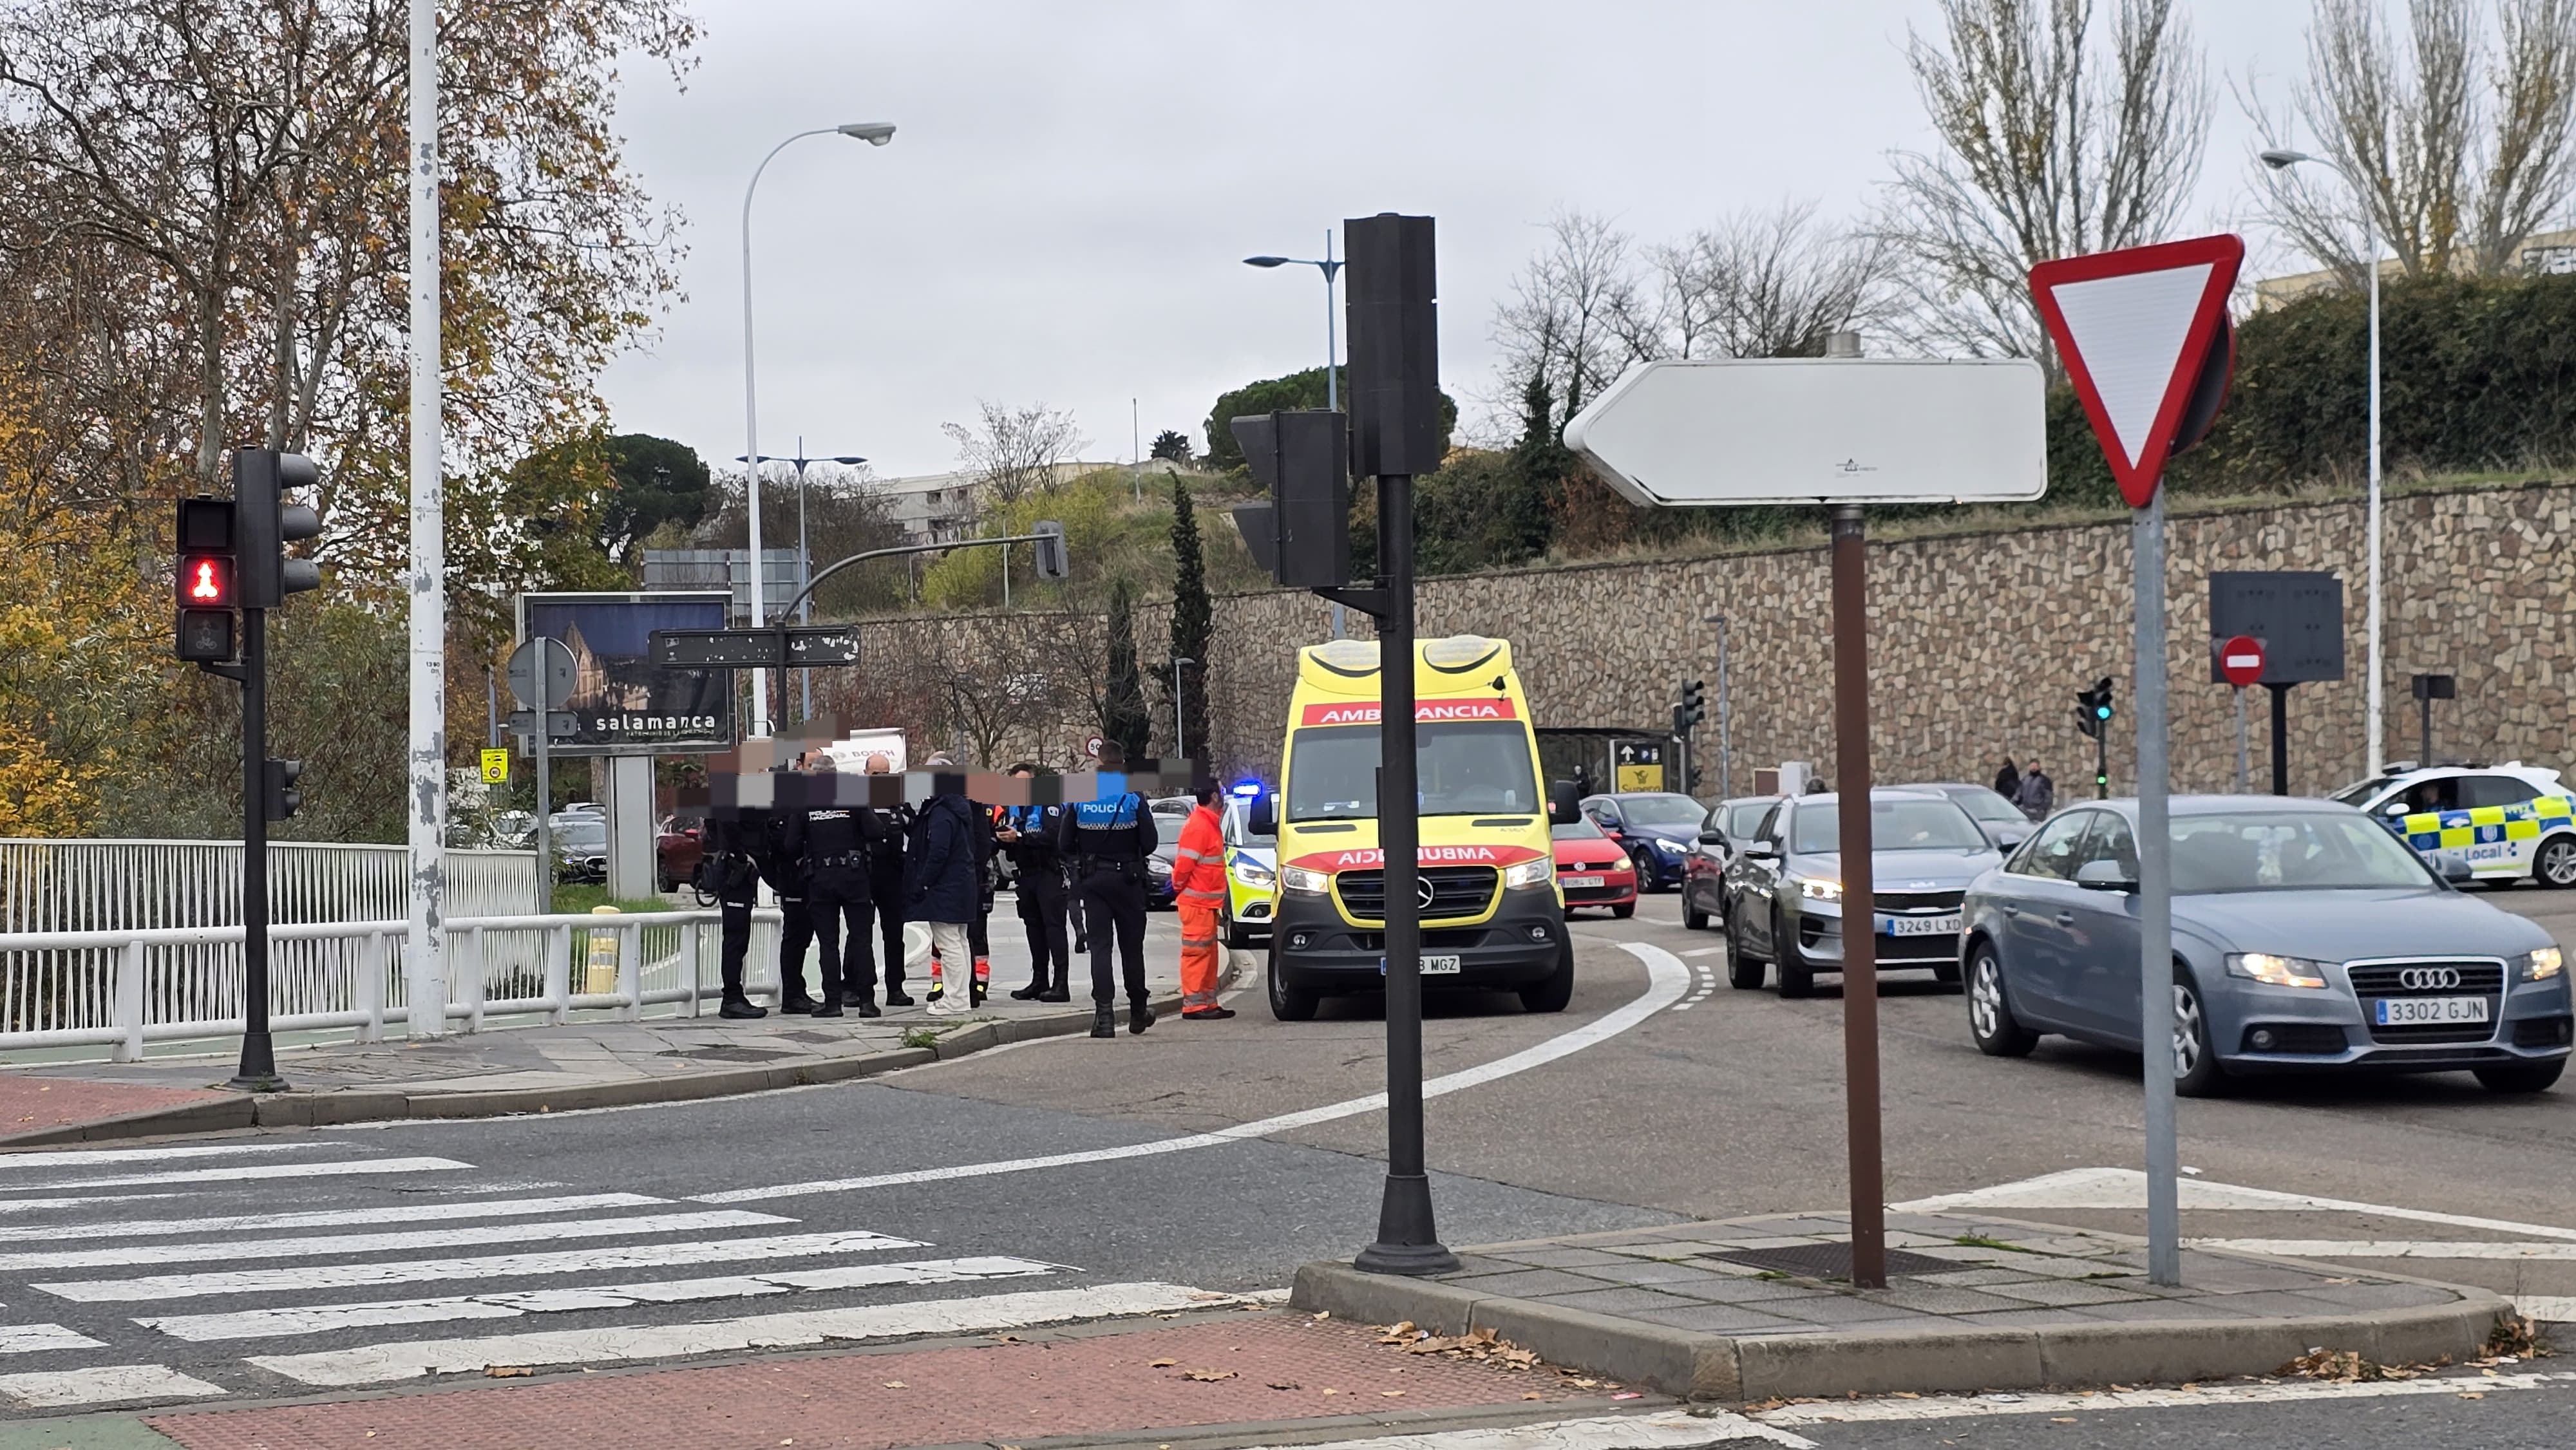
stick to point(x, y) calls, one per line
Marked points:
point(1593, 869)
point(677, 848)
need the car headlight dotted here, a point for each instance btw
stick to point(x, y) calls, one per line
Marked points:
point(1529, 873)
point(1817, 889)
point(1158, 865)
point(2541, 963)
point(1253, 873)
point(1668, 848)
point(1303, 881)
point(2275, 971)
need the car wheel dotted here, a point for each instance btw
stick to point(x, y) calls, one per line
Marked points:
point(1693, 919)
point(1624, 912)
point(663, 883)
point(2521, 1077)
point(1288, 1003)
point(1743, 972)
point(2555, 863)
point(1642, 861)
point(1234, 936)
point(1991, 1023)
point(2196, 1070)
point(1552, 994)
point(1797, 979)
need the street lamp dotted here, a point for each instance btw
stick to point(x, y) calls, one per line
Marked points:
point(875, 133)
point(2282, 161)
point(1180, 740)
point(1332, 342)
point(804, 556)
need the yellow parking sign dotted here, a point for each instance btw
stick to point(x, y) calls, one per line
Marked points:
point(496, 767)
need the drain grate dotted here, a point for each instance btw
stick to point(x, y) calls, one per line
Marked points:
point(1831, 1261)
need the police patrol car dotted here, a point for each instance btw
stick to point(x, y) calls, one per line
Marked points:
point(2507, 821)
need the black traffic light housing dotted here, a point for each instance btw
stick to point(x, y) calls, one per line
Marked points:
point(1052, 561)
point(1301, 458)
point(207, 579)
point(2093, 708)
point(1694, 707)
point(265, 524)
point(1395, 345)
point(284, 800)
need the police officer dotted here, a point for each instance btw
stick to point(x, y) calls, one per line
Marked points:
point(730, 870)
point(1108, 841)
point(784, 870)
point(886, 883)
point(832, 837)
point(1028, 833)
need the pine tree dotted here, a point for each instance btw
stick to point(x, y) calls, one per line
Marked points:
point(1191, 615)
point(1122, 708)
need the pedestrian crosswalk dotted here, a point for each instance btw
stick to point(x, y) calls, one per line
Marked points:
point(195, 1272)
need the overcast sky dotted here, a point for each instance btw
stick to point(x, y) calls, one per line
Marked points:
point(1062, 216)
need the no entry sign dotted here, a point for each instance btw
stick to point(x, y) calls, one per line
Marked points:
point(2240, 660)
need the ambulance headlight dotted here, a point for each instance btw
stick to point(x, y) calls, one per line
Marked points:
point(1530, 873)
point(1304, 882)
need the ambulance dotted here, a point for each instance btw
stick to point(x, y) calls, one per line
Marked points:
point(1492, 917)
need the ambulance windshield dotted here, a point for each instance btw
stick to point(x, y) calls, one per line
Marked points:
point(1464, 767)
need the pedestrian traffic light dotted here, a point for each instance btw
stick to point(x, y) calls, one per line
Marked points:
point(284, 800)
point(266, 524)
point(2093, 708)
point(1052, 562)
point(1302, 460)
point(206, 579)
point(1693, 710)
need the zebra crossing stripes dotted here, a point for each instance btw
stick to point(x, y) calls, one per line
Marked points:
point(32, 1338)
point(444, 1211)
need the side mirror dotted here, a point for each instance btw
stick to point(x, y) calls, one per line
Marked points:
point(1712, 838)
point(2104, 876)
point(1759, 851)
point(2455, 868)
point(1265, 816)
point(2394, 808)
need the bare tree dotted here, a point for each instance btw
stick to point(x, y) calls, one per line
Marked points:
point(1768, 284)
point(2453, 178)
point(1013, 452)
point(1575, 314)
point(2044, 156)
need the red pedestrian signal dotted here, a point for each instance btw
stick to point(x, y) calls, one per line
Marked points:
point(205, 581)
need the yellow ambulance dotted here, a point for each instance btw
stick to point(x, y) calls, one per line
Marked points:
point(1492, 918)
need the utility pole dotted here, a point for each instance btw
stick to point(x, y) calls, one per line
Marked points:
point(425, 949)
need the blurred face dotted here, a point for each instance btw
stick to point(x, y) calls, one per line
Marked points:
point(880, 764)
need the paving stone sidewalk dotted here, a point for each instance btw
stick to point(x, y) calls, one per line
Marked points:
point(1762, 1307)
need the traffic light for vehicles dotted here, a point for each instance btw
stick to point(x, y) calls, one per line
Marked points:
point(2093, 708)
point(1694, 709)
point(1302, 460)
point(1052, 562)
point(265, 524)
point(284, 800)
point(206, 578)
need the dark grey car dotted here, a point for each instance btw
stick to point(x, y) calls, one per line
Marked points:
point(2001, 820)
point(2306, 938)
point(1784, 894)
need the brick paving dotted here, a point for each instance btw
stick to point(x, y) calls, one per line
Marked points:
point(1276, 1366)
point(28, 1104)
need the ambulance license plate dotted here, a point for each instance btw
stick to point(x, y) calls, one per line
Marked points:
point(1439, 966)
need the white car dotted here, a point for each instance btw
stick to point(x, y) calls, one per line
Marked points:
point(2509, 822)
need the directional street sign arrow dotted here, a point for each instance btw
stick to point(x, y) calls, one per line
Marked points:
point(2135, 328)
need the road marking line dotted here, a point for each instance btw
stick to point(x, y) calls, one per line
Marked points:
point(31, 1205)
point(1662, 1430)
point(30, 1338)
point(329, 1318)
point(414, 1271)
point(56, 1389)
point(2390, 1248)
point(1956, 1407)
point(386, 1363)
point(2127, 1188)
point(83, 1157)
point(335, 1217)
point(124, 1255)
point(257, 1170)
point(1666, 978)
point(1703, 951)
point(2547, 1308)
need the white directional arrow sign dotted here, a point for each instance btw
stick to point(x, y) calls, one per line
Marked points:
point(2134, 328)
point(1811, 430)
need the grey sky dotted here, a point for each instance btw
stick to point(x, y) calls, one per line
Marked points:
point(1062, 216)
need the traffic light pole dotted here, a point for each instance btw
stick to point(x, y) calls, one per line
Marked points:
point(258, 1070)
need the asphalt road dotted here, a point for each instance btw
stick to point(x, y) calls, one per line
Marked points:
point(1720, 1104)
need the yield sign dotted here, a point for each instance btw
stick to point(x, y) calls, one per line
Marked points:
point(2134, 328)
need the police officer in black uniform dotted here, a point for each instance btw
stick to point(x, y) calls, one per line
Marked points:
point(1108, 841)
point(886, 884)
point(1028, 834)
point(784, 870)
point(832, 837)
point(730, 871)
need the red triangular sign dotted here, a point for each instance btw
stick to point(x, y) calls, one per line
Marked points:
point(2133, 327)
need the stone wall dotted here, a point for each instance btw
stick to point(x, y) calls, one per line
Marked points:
point(1978, 643)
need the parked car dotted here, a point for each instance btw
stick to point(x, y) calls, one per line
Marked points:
point(1657, 827)
point(1159, 895)
point(1729, 825)
point(1251, 871)
point(1784, 892)
point(677, 848)
point(2510, 822)
point(2305, 938)
point(1592, 870)
point(2003, 822)
point(580, 846)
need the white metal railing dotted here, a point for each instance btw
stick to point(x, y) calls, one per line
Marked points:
point(114, 885)
point(122, 988)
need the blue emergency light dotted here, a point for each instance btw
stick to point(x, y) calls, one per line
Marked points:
point(1247, 789)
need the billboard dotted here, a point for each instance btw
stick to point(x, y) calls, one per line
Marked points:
point(622, 703)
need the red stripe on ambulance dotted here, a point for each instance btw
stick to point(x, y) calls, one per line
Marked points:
point(1365, 712)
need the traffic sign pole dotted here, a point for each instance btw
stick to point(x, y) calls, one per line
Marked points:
point(1860, 903)
point(2155, 898)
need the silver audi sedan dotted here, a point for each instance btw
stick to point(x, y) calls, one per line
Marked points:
point(2306, 938)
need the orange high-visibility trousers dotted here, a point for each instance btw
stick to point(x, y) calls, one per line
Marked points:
point(1199, 954)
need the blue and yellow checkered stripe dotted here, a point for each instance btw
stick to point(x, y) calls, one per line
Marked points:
point(2483, 825)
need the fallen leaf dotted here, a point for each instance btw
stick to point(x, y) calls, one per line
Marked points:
point(1324, 1314)
point(506, 1371)
point(2473, 1394)
point(1627, 1395)
point(1332, 1392)
point(1162, 1364)
point(897, 1385)
point(1389, 1394)
point(1533, 1395)
point(1286, 1385)
point(2061, 1419)
point(1208, 1376)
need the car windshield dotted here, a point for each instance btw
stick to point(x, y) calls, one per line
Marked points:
point(1985, 805)
point(2353, 795)
point(1241, 821)
point(1578, 829)
point(1894, 825)
point(1662, 810)
point(1462, 767)
point(581, 834)
point(1742, 821)
point(2309, 851)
